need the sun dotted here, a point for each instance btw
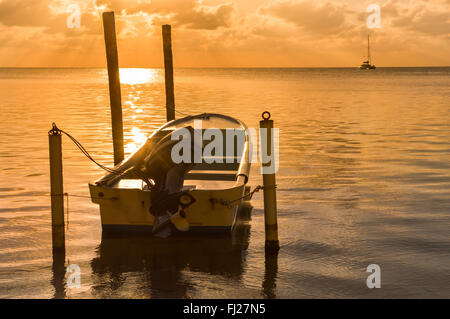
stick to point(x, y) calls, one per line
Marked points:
point(134, 76)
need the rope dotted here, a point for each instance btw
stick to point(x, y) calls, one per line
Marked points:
point(86, 153)
point(215, 200)
point(67, 209)
point(174, 109)
point(81, 196)
point(137, 173)
point(249, 196)
point(74, 195)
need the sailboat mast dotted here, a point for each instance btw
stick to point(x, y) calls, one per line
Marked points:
point(368, 49)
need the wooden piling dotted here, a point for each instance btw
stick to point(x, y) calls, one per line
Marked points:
point(56, 188)
point(270, 199)
point(168, 72)
point(115, 97)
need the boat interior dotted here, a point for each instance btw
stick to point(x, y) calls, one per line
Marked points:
point(216, 166)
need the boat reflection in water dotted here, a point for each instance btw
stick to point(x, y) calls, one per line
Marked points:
point(151, 267)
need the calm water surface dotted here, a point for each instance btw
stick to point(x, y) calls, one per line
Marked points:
point(364, 178)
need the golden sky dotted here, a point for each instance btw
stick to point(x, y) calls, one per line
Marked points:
point(226, 33)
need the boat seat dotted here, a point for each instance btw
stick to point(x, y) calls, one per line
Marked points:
point(211, 175)
point(231, 165)
point(129, 183)
point(208, 185)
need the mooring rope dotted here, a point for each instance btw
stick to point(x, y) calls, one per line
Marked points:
point(67, 195)
point(81, 196)
point(113, 171)
point(225, 202)
point(86, 153)
point(182, 113)
point(67, 209)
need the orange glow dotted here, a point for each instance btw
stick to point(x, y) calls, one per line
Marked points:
point(138, 138)
point(226, 33)
point(134, 76)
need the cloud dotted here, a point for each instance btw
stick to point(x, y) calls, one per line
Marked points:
point(226, 32)
point(311, 16)
point(205, 18)
point(190, 14)
point(52, 14)
point(425, 20)
point(24, 12)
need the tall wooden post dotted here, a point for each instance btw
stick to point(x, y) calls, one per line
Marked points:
point(56, 188)
point(168, 71)
point(270, 199)
point(112, 58)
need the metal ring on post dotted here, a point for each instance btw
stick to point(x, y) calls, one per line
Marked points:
point(266, 115)
point(55, 130)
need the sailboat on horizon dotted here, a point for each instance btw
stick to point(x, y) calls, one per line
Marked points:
point(367, 65)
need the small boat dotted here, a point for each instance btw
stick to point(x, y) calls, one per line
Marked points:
point(367, 65)
point(153, 190)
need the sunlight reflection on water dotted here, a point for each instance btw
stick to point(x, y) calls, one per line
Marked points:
point(138, 138)
point(135, 76)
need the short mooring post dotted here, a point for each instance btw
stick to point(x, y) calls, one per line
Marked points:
point(56, 188)
point(270, 200)
point(168, 71)
point(115, 97)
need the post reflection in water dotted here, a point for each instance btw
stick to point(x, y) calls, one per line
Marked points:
point(270, 276)
point(59, 272)
point(155, 266)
